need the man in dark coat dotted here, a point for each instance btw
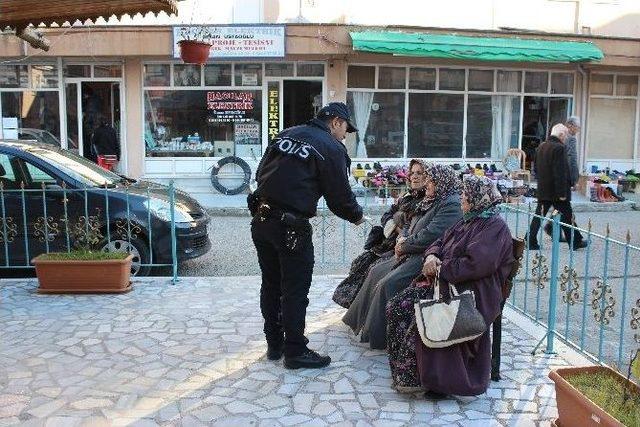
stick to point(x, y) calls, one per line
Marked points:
point(105, 140)
point(301, 164)
point(554, 187)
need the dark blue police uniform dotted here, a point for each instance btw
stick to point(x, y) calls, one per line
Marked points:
point(301, 164)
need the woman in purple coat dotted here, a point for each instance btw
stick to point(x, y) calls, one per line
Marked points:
point(476, 254)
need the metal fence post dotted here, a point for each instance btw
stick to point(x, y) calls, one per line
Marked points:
point(174, 249)
point(553, 284)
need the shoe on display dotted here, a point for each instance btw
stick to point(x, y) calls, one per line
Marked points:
point(308, 359)
point(367, 166)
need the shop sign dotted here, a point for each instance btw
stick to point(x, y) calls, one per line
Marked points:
point(247, 133)
point(229, 106)
point(273, 112)
point(260, 41)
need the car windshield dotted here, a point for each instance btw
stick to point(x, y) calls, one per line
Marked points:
point(48, 138)
point(78, 168)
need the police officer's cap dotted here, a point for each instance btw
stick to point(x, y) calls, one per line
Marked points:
point(338, 109)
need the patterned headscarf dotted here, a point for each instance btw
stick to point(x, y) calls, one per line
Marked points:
point(481, 194)
point(446, 181)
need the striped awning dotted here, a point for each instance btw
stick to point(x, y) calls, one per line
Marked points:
point(18, 14)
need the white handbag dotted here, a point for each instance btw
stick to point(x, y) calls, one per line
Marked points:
point(445, 323)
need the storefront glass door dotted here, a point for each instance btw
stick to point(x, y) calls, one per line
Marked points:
point(540, 114)
point(89, 105)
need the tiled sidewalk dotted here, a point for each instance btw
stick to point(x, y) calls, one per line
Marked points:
point(192, 355)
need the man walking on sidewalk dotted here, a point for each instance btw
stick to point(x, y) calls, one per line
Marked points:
point(554, 187)
point(573, 127)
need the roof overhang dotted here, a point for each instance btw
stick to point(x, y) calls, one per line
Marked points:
point(451, 46)
point(20, 15)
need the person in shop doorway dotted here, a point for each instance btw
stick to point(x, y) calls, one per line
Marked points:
point(554, 188)
point(302, 164)
point(104, 140)
point(573, 127)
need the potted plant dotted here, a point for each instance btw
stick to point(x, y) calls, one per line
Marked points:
point(84, 269)
point(194, 47)
point(597, 395)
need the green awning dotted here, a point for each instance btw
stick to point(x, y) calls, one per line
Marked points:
point(475, 48)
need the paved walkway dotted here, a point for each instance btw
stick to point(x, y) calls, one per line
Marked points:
point(192, 355)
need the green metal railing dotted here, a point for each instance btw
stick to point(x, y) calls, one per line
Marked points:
point(61, 219)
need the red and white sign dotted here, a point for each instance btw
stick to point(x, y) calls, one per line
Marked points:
point(267, 41)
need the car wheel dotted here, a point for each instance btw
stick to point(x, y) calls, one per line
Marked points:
point(135, 247)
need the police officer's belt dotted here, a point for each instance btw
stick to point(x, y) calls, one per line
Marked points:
point(267, 210)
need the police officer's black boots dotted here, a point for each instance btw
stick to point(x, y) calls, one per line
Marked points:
point(274, 352)
point(308, 359)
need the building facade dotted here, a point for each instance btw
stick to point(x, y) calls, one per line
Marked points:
point(176, 120)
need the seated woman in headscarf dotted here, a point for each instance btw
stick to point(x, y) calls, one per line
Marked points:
point(382, 239)
point(439, 209)
point(474, 254)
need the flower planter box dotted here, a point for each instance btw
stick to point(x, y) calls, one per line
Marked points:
point(104, 276)
point(574, 408)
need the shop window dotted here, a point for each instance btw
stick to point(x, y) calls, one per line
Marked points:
point(77, 70)
point(627, 85)
point(536, 82)
point(28, 112)
point(157, 75)
point(493, 124)
point(44, 76)
point(391, 77)
point(310, 70)
point(422, 78)
point(379, 118)
point(13, 76)
point(203, 123)
point(509, 81)
point(217, 75)
point(481, 80)
point(186, 75)
point(451, 79)
point(248, 74)
point(611, 128)
point(361, 76)
point(602, 84)
point(100, 70)
point(562, 83)
point(278, 69)
point(436, 125)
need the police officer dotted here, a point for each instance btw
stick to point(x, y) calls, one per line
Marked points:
point(299, 166)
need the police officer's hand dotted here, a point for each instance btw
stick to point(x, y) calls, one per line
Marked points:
point(363, 220)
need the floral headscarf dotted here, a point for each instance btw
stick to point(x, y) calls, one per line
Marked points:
point(481, 194)
point(446, 181)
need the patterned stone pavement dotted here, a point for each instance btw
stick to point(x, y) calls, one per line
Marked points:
point(192, 355)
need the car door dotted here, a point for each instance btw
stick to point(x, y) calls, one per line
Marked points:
point(12, 223)
point(52, 210)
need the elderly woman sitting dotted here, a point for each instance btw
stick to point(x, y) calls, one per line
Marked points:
point(382, 239)
point(438, 211)
point(474, 254)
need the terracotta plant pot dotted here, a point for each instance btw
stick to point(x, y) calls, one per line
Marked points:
point(194, 52)
point(574, 408)
point(104, 276)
